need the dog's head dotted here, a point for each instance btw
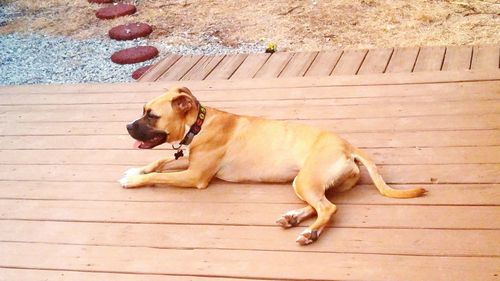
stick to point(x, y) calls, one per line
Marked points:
point(164, 119)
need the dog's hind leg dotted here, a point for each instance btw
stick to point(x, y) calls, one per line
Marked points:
point(325, 210)
point(312, 190)
point(294, 217)
point(327, 166)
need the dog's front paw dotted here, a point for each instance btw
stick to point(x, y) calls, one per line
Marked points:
point(133, 172)
point(131, 181)
point(131, 177)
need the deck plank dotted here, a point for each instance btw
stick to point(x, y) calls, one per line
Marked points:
point(226, 67)
point(250, 66)
point(457, 58)
point(274, 65)
point(485, 57)
point(298, 64)
point(8, 274)
point(364, 140)
point(345, 125)
point(431, 242)
point(222, 192)
point(203, 68)
point(180, 68)
point(393, 174)
point(401, 155)
point(467, 93)
point(376, 61)
point(430, 59)
point(424, 78)
point(237, 263)
point(128, 113)
point(262, 214)
point(138, 96)
point(402, 60)
point(324, 63)
point(350, 62)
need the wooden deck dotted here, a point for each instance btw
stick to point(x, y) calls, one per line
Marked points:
point(63, 216)
point(339, 62)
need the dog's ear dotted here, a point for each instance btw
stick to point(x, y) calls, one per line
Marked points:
point(184, 90)
point(183, 103)
point(181, 90)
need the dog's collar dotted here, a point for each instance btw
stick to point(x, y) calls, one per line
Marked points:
point(193, 131)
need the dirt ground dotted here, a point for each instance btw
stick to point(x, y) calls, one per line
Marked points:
point(291, 24)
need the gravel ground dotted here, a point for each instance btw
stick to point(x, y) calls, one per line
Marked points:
point(40, 59)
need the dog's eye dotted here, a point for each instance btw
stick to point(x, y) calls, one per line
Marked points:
point(152, 116)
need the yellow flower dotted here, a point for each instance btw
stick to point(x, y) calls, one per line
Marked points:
point(271, 48)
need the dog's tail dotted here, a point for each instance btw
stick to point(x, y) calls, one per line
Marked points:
point(379, 182)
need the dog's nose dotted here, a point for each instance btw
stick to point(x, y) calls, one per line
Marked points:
point(130, 127)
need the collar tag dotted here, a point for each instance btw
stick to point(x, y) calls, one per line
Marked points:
point(178, 154)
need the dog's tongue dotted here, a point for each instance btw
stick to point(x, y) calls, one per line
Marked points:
point(137, 144)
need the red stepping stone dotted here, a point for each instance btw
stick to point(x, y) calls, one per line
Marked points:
point(134, 55)
point(115, 10)
point(130, 31)
point(140, 71)
point(100, 1)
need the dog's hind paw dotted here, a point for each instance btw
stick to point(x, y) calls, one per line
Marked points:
point(307, 237)
point(287, 220)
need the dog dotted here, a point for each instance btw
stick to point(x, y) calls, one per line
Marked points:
point(250, 149)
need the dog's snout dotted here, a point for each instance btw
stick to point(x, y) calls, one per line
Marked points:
point(131, 126)
point(138, 130)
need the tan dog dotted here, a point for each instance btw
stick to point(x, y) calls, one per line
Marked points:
point(250, 149)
